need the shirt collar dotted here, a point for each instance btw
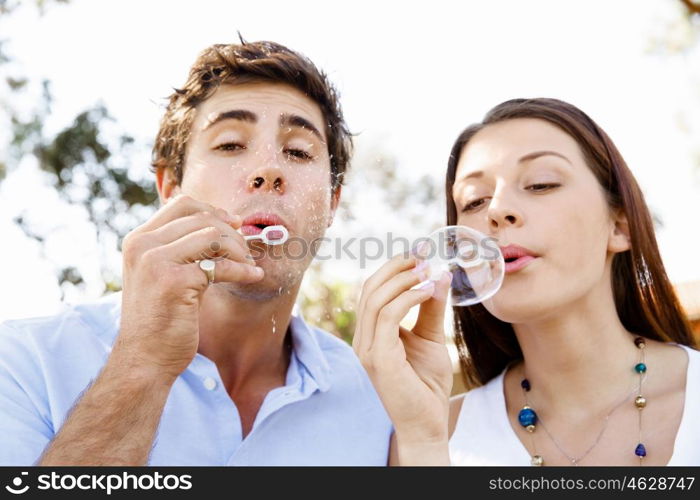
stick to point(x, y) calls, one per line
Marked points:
point(309, 353)
point(305, 341)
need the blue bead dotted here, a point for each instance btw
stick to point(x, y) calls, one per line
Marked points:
point(640, 367)
point(640, 451)
point(527, 416)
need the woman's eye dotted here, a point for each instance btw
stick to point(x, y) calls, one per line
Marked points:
point(230, 146)
point(298, 154)
point(542, 187)
point(474, 205)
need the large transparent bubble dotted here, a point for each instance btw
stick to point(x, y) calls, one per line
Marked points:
point(474, 259)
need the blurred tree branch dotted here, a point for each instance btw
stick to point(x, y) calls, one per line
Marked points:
point(86, 162)
point(693, 7)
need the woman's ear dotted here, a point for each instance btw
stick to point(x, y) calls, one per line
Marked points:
point(619, 239)
point(166, 184)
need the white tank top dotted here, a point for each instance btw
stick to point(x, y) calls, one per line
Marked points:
point(483, 434)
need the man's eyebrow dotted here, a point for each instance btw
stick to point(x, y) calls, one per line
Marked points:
point(233, 114)
point(301, 122)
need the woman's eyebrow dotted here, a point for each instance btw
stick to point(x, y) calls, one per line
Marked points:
point(476, 174)
point(537, 154)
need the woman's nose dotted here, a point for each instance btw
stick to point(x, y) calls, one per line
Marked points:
point(502, 214)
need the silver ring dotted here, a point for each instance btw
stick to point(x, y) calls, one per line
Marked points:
point(208, 266)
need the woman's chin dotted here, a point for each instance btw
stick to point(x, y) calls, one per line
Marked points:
point(514, 305)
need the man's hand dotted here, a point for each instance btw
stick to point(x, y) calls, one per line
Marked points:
point(115, 421)
point(163, 285)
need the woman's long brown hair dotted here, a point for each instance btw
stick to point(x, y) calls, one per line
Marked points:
point(644, 297)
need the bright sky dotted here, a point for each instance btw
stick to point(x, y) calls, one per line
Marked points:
point(411, 75)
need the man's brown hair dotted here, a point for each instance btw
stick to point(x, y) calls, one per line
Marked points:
point(248, 62)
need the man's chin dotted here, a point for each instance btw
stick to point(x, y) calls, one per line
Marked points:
point(260, 292)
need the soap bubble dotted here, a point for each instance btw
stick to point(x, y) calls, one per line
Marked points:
point(474, 259)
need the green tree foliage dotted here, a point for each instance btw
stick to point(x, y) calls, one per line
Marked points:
point(87, 162)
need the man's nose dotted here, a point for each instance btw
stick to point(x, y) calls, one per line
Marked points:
point(267, 178)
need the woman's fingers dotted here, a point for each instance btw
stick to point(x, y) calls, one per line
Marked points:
point(431, 316)
point(389, 269)
point(381, 296)
point(365, 309)
point(387, 327)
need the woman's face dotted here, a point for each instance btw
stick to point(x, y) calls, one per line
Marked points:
point(525, 182)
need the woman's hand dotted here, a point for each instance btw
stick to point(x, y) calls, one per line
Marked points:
point(410, 369)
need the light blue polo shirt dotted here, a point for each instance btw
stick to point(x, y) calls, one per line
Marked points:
point(327, 413)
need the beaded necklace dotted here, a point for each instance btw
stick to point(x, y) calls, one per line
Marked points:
point(529, 419)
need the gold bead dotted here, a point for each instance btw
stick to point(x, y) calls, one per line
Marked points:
point(537, 460)
point(640, 402)
point(530, 428)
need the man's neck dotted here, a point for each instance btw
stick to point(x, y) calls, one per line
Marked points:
point(245, 338)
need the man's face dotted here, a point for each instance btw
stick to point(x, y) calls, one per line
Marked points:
point(259, 150)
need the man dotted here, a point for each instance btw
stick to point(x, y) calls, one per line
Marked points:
point(178, 370)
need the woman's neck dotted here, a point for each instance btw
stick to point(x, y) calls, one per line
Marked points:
point(581, 356)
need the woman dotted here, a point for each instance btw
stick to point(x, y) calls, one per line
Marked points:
point(583, 356)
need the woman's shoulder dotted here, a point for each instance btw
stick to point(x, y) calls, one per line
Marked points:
point(692, 368)
point(693, 352)
point(678, 361)
point(492, 389)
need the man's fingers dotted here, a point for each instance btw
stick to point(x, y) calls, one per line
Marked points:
point(183, 226)
point(228, 271)
point(182, 206)
point(205, 243)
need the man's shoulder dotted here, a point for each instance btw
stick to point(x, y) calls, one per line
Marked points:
point(331, 343)
point(342, 365)
point(332, 346)
point(97, 318)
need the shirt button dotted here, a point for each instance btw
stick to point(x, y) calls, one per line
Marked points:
point(209, 383)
